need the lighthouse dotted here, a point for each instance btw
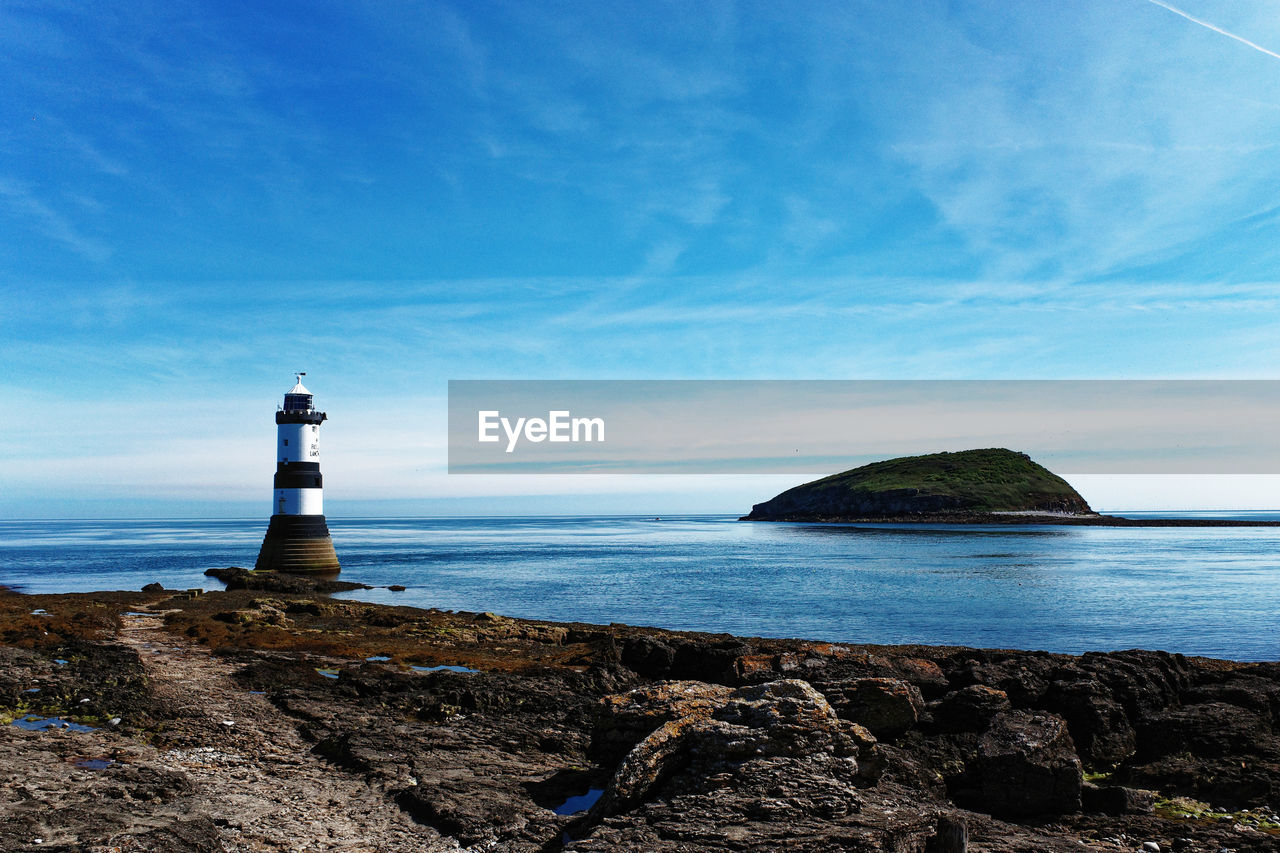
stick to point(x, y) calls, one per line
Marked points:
point(297, 538)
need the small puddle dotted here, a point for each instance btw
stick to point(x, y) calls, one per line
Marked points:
point(257, 693)
point(377, 658)
point(95, 763)
point(60, 661)
point(580, 803)
point(328, 673)
point(32, 690)
point(443, 668)
point(40, 612)
point(137, 613)
point(33, 723)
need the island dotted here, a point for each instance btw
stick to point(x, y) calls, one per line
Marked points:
point(987, 486)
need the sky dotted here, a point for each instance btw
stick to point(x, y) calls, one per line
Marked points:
point(199, 198)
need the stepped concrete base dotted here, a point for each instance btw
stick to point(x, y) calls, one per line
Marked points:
point(298, 544)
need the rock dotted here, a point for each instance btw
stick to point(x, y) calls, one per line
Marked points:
point(952, 836)
point(648, 656)
point(759, 668)
point(1142, 682)
point(969, 709)
point(1099, 726)
point(885, 706)
point(665, 700)
point(298, 608)
point(710, 733)
point(1252, 693)
point(395, 587)
point(1116, 800)
point(1231, 782)
point(1224, 753)
point(236, 577)
point(1024, 677)
point(485, 758)
point(153, 587)
point(197, 835)
point(1025, 764)
point(1150, 847)
point(629, 718)
point(783, 718)
point(709, 660)
point(1210, 729)
point(924, 674)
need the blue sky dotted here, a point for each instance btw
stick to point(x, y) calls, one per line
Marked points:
point(198, 198)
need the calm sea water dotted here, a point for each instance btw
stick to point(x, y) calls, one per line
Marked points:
point(1208, 591)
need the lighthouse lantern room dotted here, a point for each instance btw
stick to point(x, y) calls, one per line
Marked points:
point(297, 537)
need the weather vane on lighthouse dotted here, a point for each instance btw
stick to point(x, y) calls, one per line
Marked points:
point(297, 537)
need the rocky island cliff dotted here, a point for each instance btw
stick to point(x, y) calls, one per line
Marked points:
point(271, 717)
point(972, 484)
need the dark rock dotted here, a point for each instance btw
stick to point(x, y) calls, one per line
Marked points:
point(473, 820)
point(1231, 783)
point(1023, 677)
point(197, 835)
point(153, 587)
point(238, 578)
point(969, 709)
point(1025, 765)
point(1116, 799)
point(1099, 726)
point(886, 706)
point(1211, 729)
point(711, 658)
point(1142, 682)
point(1251, 693)
point(648, 656)
point(395, 587)
point(952, 836)
point(711, 662)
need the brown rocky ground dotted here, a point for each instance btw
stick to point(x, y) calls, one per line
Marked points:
point(276, 718)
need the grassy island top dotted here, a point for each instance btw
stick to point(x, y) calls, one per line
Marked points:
point(969, 481)
point(994, 478)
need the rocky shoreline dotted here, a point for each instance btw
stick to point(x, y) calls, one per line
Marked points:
point(276, 718)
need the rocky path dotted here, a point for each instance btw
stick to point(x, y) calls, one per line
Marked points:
point(264, 789)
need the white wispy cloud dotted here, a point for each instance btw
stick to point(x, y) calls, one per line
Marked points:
point(1193, 19)
point(28, 208)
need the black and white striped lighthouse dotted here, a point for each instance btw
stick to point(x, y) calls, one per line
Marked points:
point(297, 538)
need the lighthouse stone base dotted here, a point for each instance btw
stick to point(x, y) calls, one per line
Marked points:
point(298, 544)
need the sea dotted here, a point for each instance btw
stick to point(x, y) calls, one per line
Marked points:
point(1212, 591)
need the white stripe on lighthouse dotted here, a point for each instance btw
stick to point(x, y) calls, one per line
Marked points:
point(298, 502)
point(298, 443)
